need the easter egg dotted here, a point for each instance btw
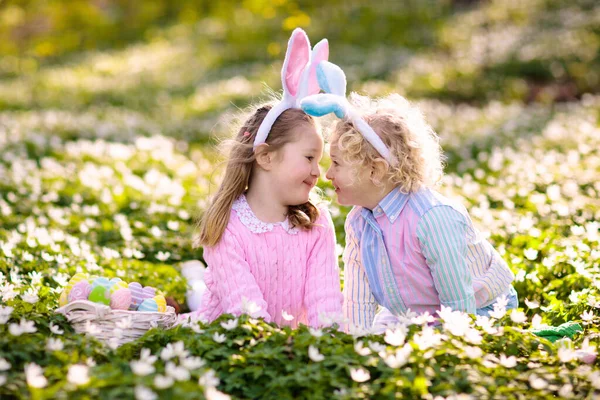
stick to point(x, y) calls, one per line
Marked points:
point(100, 294)
point(148, 305)
point(137, 295)
point(78, 277)
point(149, 292)
point(115, 280)
point(63, 299)
point(118, 285)
point(80, 291)
point(102, 281)
point(161, 303)
point(120, 299)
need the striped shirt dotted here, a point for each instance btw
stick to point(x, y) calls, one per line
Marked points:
point(416, 252)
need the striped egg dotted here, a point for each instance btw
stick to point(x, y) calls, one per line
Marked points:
point(78, 277)
point(149, 292)
point(63, 299)
point(120, 299)
point(161, 303)
point(118, 285)
point(102, 281)
point(148, 305)
point(80, 291)
point(137, 295)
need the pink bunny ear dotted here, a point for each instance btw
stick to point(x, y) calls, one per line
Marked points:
point(296, 58)
point(320, 53)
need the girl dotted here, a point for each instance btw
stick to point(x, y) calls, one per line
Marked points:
point(270, 251)
point(407, 246)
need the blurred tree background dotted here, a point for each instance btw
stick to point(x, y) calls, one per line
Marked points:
point(186, 62)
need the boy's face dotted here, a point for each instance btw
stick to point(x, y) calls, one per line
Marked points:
point(352, 184)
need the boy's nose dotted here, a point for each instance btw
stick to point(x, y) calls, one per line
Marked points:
point(329, 175)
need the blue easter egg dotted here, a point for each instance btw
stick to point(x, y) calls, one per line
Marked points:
point(148, 305)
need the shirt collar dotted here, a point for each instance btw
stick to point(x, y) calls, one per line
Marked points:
point(391, 205)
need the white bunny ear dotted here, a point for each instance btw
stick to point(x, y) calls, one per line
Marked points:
point(309, 84)
point(296, 60)
point(331, 78)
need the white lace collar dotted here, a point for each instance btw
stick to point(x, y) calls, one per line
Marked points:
point(245, 214)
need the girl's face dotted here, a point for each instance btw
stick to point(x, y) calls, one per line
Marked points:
point(353, 186)
point(297, 170)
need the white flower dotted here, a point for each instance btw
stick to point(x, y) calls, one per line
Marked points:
point(78, 374)
point(141, 368)
point(315, 332)
point(486, 323)
point(566, 391)
point(143, 393)
point(313, 354)
point(530, 254)
point(537, 382)
point(249, 307)
point(4, 365)
point(508, 362)
point(399, 358)
point(423, 319)
point(219, 338)
point(565, 355)
point(518, 317)
point(359, 375)
point(360, 349)
point(54, 344)
point(209, 379)
point(174, 350)
point(55, 329)
point(376, 347)
point(147, 357)
point(192, 363)
point(213, 394)
point(125, 323)
point(587, 316)
point(532, 305)
point(5, 313)
point(23, 327)
point(163, 382)
point(2, 379)
point(536, 321)
point(455, 322)
point(499, 311)
point(286, 316)
point(587, 353)
point(34, 375)
point(229, 325)
point(473, 336)
point(473, 352)
point(30, 296)
point(397, 336)
point(92, 329)
point(178, 373)
point(427, 338)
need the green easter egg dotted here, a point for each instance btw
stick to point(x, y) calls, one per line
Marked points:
point(100, 295)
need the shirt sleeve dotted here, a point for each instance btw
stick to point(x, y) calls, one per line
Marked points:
point(232, 282)
point(496, 279)
point(442, 232)
point(359, 303)
point(323, 296)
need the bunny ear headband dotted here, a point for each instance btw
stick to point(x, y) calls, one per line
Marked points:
point(298, 77)
point(332, 80)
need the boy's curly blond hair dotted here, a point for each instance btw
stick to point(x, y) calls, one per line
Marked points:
point(404, 131)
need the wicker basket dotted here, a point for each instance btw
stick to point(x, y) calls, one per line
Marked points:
point(114, 327)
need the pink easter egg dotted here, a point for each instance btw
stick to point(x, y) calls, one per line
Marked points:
point(80, 291)
point(137, 295)
point(121, 299)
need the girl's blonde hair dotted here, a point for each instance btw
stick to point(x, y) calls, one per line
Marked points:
point(238, 173)
point(404, 131)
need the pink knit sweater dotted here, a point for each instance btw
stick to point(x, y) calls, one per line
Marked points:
point(272, 271)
